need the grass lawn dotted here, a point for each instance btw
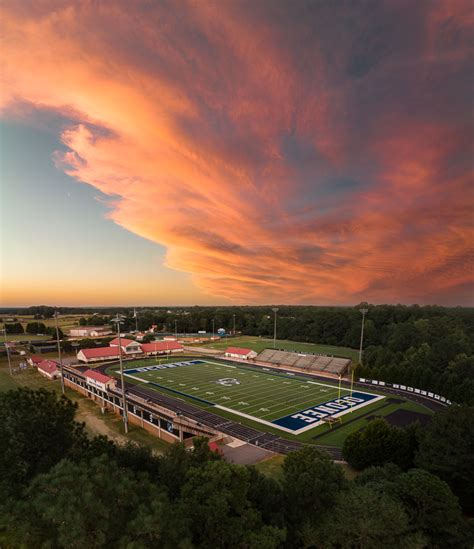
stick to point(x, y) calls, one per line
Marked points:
point(258, 398)
point(25, 337)
point(259, 344)
point(273, 467)
point(108, 424)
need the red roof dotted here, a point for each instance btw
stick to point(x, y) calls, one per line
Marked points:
point(98, 352)
point(36, 359)
point(97, 376)
point(160, 346)
point(124, 341)
point(48, 366)
point(238, 351)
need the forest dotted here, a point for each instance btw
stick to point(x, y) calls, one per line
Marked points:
point(60, 488)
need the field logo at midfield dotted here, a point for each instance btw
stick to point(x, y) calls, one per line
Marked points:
point(228, 381)
point(316, 414)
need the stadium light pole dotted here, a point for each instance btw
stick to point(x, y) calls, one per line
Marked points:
point(364, 312)
point(213, 328)
point(7, 348)
point(118, 320)
point(275, 310)
point(234, 323)
point(56, 315)
point(176, 329)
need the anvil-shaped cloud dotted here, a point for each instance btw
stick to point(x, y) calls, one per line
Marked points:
point(304, 152)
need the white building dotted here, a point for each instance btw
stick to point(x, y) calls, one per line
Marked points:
point(162, 348)
point(99, 380)
point(49, 369)
point(129, 347)
point(90, 331)
point(240, 352)
point(98, 354)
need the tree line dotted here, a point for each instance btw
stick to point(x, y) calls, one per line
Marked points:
point(430, 347)
point(59, 488)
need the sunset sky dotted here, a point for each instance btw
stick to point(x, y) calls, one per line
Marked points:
point(204, 152)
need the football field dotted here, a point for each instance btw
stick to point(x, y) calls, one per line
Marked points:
point(280, 400)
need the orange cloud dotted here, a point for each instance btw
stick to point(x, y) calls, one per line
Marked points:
point(280, 155)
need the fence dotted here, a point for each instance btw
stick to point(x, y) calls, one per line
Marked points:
point(413, 390)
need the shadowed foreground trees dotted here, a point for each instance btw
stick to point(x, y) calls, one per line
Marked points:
point(379, 443)
point(64, 490)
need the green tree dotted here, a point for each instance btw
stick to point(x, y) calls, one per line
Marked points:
point(364, 518)
point(447, 450)
point(376, 444)
point(14, 328)
point(432, 508)
point(215, 501)
point(37, 429)
point(311, 482)
point(88, 505)
point(35, 328)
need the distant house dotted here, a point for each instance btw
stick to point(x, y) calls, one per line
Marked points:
point(129, 346)
point(90, 331)
point(49, 369)
point(240, 352)
point(99, 380)
point(162, 348)
point(34, 360)
point(98, 354)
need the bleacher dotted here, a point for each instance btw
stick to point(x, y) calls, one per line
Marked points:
point(332, 365)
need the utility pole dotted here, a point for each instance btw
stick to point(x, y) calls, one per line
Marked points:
point(56, 315)
point(118, 320)
point(176, 329)
point(7, 348)
point(275, 310)
point(364, 312)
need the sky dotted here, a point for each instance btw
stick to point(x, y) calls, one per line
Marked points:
point(238, 152)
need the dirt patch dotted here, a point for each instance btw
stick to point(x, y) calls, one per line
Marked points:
point(96, 425)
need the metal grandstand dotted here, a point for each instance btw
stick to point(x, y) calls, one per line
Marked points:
point(302, 361)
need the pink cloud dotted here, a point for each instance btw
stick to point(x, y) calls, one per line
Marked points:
point(279, 155)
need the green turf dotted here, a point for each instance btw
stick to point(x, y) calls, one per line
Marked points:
point(257, 393)
point(259, 344)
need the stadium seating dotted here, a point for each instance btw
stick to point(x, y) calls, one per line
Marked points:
point(333, 365)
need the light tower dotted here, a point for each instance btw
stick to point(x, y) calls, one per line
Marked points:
point(364, 312)
point(56, 315)
point(275, 310)
point(118, 320)
point(7, 349)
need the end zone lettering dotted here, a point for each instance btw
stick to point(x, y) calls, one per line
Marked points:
point(327, 409)
point(337, 406)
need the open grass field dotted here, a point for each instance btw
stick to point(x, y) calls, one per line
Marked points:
point(259, 344)
point(107, 424)
point(65, 322)
point(290, 406)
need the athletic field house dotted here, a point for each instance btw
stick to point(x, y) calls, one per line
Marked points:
point(263, 403)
